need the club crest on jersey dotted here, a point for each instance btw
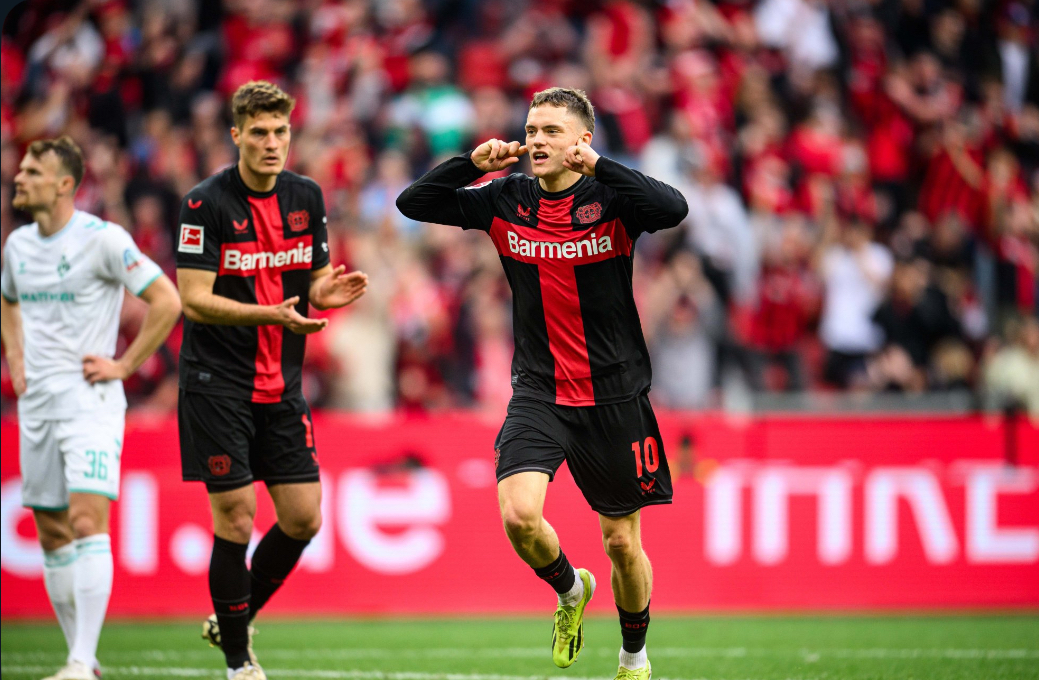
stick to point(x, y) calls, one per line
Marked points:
point(587, 214)
point(299, 220)
point(191, 239)
point(240, 227)
point(63, 266)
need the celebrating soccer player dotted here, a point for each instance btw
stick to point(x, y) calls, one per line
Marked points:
point(581, 371)
point(62, 283)
point(252, 254)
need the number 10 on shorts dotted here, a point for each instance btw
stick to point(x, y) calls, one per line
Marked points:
point(646, 455)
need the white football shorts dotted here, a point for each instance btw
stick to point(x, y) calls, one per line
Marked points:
point(75, 455)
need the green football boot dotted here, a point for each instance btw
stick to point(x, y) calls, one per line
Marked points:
point(568, 628)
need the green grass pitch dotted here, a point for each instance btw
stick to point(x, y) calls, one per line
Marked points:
point(952, 647)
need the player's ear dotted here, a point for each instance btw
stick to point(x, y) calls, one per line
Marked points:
point(586, 137)
point(236, 136)
point(66, 185)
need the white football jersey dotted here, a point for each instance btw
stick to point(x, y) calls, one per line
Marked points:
point(69, 287)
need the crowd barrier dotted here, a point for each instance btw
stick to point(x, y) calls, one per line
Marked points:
point(770, 513)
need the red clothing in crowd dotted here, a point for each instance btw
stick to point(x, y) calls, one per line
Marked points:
point(945, 190)
point(785, 298)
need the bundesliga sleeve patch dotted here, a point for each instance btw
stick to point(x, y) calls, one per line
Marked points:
point(191, 239)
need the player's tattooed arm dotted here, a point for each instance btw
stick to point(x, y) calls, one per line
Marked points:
point(159, 320)
point(11, 330)
point(202, 305)
point(333, 288)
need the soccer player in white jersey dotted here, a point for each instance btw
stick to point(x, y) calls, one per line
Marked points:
point(62, 284)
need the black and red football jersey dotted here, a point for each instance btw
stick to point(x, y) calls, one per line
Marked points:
point(568, 258)
point(263, 247)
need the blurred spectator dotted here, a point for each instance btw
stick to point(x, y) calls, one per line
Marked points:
point(684, 321)
point(787, 301)
point(1012, 374)
point(718, 230)
point(854, 272)
point(916, 316)
point(433, 106)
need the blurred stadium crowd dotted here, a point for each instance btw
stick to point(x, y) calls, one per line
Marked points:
point(862, 175)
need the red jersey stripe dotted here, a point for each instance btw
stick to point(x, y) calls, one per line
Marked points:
point(563, 320)
point(269, 383)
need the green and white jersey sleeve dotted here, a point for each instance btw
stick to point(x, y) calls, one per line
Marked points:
point(69, 287)
point(7, 288)
point(123, 262)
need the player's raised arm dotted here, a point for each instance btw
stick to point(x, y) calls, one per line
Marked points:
point(433, 197)
point(654, 205)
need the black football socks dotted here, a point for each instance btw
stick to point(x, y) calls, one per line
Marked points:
point(229, 588)
point(633, 629)
point(275, 558)
point(559, 574)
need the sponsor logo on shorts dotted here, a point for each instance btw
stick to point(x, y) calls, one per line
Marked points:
point(219, 465)
point(191, 239)
point(497, 458)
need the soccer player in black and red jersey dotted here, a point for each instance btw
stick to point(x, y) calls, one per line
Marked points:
point(252, 255)
point(581, 371)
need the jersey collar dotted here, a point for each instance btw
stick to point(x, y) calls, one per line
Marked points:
point(244, 187)
point(76, 214)
point(556, 195)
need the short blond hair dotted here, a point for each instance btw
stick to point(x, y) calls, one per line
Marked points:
point(575, 101)
point(260, 96)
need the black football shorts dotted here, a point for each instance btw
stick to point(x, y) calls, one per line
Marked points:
point(228, 443)
point(614, 451)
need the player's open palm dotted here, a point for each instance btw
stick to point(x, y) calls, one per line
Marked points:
point(494, 154)
point(581, 158)
point(340, 289)
point(297, 323)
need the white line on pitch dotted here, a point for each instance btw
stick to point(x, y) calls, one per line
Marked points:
point(813, 654)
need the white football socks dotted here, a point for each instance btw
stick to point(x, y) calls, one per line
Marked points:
point(93, 586)
point(634, 660)
point(59, 579)
point(576, 592)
